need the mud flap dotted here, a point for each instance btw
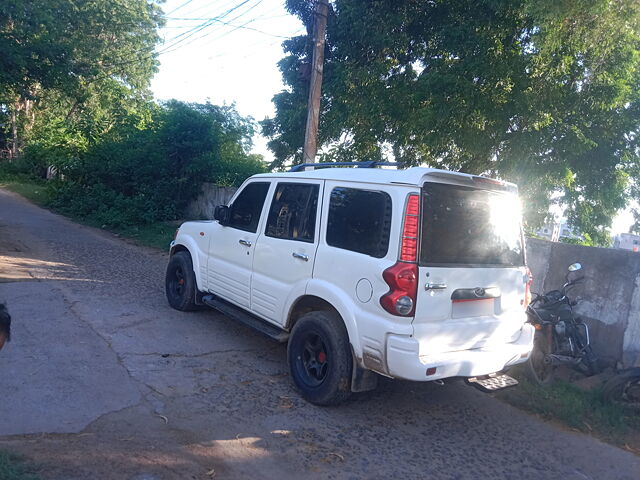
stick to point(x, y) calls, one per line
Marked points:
point(492, 382)
point(363, 379)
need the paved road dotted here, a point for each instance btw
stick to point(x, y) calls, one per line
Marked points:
point(104, 381)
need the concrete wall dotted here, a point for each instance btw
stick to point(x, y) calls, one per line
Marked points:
point(609, 299)
point(210, 197)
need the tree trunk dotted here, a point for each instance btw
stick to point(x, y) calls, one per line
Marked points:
point(14, 130)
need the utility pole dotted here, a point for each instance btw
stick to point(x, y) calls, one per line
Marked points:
point(321, 11)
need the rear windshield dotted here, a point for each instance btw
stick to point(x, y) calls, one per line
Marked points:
point(467, 226)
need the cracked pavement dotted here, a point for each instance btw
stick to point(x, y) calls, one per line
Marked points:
point(104, 381)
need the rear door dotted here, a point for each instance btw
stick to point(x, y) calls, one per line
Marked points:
point(286, 249)
point(471, 267)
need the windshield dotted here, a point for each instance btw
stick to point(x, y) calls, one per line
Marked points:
point(468, 226)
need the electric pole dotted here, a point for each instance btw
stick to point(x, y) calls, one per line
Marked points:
point(321, 11)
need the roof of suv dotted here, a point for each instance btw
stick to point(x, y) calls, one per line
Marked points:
point(410, 176)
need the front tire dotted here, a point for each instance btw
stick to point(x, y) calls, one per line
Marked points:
point(624, 388)
point(320, 359)
point(180, 282)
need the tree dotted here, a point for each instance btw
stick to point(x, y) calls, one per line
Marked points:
point(146, 168)
point(543, 93)
point(76, 49)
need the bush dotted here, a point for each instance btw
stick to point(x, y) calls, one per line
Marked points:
point(101, 206)
point(136, 175)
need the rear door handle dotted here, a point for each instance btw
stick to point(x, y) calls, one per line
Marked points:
point(435, 286)
point(246, 243)
point(301, 256)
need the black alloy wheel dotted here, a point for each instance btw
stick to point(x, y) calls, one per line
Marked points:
point(313, 363)
point(320, 359)
point(180, 282)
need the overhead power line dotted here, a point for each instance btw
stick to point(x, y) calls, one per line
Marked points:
point(181, 6)
point(205, 25)
point(189, 33)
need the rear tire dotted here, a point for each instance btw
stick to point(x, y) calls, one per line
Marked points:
point(590, 365)
point(320, 358)
point(180, 282)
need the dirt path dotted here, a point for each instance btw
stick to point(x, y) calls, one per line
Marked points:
point(104, 381)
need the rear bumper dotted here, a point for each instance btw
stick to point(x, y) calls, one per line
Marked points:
point(404, 361)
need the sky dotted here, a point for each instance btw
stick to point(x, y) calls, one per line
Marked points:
point(226, 51)
point(231, 62)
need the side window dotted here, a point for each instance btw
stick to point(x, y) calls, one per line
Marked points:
point(292, 215)
point(360, 221)
point(244, 212)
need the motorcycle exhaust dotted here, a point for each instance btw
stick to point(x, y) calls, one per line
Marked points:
point(556, 360)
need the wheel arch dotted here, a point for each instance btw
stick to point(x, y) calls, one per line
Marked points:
point(184, 246)
point(308, 303)
point(323, 296)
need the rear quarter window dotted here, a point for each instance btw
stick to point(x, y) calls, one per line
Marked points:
point(359, 220)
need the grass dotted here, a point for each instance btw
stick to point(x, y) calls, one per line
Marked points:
point(36, 192)
point(585, 411)
point(156, 235)
point(13, 467)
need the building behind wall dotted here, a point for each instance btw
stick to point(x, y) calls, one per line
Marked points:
point(555, 231)
point(627, 241)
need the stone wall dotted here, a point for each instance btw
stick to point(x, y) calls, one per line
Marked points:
point(609, 299)
point(210, 197)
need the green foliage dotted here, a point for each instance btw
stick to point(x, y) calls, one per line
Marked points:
point(144, 169)
point(587, 411)
point(60, 57)
point(63, 44)
point(156, 235)
point(74, 80)
point(542, 93)
point(587, 241)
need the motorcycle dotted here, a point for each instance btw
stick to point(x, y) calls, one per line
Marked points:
point(561, 338)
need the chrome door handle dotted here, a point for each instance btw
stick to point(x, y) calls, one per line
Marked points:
point(301, 256)
point(435, 286)
point(246, 243)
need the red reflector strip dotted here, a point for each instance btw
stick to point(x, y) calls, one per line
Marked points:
point(462, 300)
point(431, 371)
point(409, 247)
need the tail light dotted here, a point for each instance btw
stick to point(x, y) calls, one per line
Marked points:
point(402, 277)
point(409, 247)
point(528, 279)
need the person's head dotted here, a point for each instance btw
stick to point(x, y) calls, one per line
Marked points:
point(5, 325)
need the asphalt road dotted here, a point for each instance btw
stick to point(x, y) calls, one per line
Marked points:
point(104, 381)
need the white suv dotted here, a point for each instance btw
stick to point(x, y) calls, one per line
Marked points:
point(416, 274)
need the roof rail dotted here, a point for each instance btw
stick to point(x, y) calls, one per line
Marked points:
point(368, 164)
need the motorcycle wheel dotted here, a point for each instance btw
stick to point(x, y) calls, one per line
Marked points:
point(537, 370)
point(624, 388)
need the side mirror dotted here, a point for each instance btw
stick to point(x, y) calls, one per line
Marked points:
point(221, 214)
point(574, 267)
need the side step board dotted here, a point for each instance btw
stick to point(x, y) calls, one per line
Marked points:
point(240, 315)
